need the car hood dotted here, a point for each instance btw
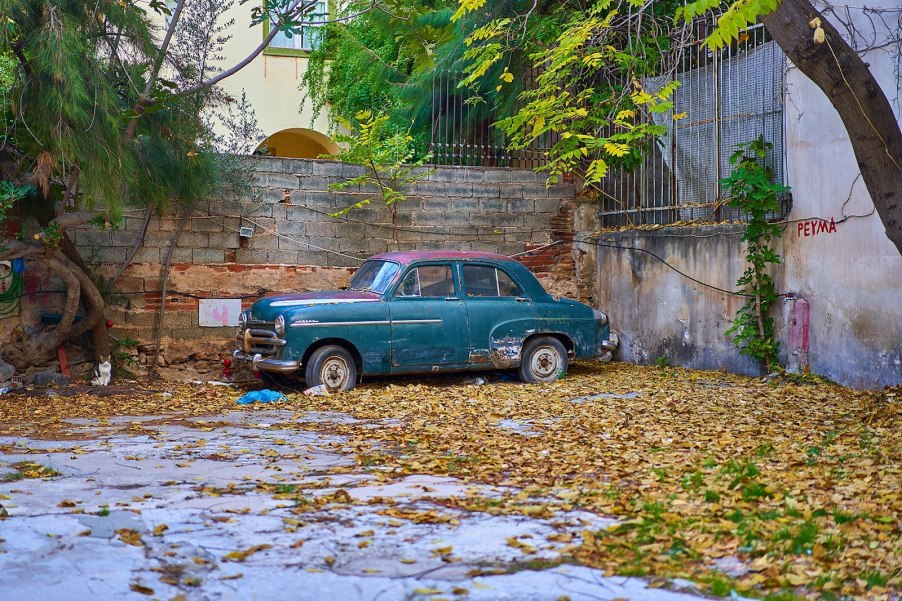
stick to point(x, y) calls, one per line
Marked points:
point(266, 309)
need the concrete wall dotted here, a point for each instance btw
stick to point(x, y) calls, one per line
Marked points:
point(851, 274)
point(297, 246)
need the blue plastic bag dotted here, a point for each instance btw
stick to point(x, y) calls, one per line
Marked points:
point(260, 396)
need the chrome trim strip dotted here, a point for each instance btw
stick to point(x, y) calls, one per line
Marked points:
point(308, 324)
point(322, 301)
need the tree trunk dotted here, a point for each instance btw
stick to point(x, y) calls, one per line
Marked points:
point(90, 296)
point(855, 94)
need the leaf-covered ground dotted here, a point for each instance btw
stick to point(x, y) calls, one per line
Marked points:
point(765, 488)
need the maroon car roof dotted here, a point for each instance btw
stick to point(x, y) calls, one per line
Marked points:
point(408, 256)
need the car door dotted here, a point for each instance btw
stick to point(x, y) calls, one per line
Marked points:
point(428, 320)
point(500, 314)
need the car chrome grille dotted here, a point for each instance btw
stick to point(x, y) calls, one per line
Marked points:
point(259, 337)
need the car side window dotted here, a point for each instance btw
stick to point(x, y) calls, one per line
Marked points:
point(428, 281)
point(485, 281)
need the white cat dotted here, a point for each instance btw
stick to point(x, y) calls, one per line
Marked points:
point(102, 372)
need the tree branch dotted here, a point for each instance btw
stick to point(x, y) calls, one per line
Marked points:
point(145, 100)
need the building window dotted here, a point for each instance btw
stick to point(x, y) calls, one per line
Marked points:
point(309, 37)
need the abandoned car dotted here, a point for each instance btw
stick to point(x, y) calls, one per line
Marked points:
point(422, 311)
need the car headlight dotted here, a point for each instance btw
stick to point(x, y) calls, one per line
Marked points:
point(280, 326)
point(242, 319)
point(600, 316)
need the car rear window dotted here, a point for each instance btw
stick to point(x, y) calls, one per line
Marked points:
point(486, 281)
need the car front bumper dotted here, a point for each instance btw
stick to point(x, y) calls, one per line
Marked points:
point(259, 363)
point(610, 345)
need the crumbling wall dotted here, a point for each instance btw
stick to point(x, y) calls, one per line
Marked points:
point(297, 246)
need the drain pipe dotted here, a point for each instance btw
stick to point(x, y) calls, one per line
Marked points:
point(797, 326)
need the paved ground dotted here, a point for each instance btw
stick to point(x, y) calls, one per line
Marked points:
point(170, 507)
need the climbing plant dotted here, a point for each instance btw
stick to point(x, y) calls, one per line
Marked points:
point(751, 188)
point(388, 161)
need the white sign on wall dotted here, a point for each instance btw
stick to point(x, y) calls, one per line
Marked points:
point(218, 312)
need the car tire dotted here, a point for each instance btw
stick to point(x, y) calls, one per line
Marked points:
point(544, 359)
point(331, 366)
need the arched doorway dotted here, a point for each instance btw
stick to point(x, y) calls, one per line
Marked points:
point(299, 143)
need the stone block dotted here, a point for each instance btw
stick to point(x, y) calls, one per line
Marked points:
point(107, 254)
point(522, 205)
point(92, 237)
point(317, 183)
point(487, 190)
point(454, 190)
point(491, 205)
point(179, 255)
point(224, 240)
point(449, 175)
point(269, 195)
point(282, 257)
point(291, 228)
point(465, 205)
point(282, 181)
point(124, 237)
point(535, 191)
point(318, 243)
point(526, 176)
point(250, 256)
point(208, 256)
point(496, 176)
point(207, 223)
point(328, 168)
point(347, 229)
point(297, 166)
point(228, 207)
point(147, 255)
point(547, 205)
point(342, 261)
point(312, 257)
point(193, 239)
point(264, 241)
point(326, 201)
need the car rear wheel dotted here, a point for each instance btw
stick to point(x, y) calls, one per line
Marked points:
point(332, 366)
point(544, 360)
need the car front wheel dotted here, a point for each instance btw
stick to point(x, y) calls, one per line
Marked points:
point(544, 360)
point(332, 366)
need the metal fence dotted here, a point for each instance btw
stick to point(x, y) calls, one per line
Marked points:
point(462, 133)
point(729, 97)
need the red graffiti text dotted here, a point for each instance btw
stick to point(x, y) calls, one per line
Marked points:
point(813, 227)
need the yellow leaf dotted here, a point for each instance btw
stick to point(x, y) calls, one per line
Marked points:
point(140, 588)
point(160, 529)
point(426, 591)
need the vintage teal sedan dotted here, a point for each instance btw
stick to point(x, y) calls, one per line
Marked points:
point(422, 312)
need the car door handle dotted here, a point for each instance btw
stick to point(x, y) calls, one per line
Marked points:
point(521, 299)
point(451, 298)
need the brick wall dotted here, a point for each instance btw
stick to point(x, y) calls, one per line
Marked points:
point(297, 246)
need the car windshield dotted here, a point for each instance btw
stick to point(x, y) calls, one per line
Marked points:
point(375, 276)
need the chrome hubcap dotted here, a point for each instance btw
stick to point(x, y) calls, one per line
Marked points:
point(545, 362)
point(335, 373)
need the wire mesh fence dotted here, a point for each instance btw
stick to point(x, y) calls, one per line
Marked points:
point(725, 98)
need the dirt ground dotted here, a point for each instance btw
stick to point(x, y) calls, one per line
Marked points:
point(618, 481)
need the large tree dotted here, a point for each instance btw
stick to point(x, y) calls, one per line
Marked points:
point(98, 114)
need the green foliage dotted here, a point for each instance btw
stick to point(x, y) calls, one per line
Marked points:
point(736, 18)
point(587, 92)
point(387, 158)
point(751, 189)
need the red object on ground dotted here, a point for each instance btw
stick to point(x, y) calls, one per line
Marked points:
point(227, 369)
point(109, 323)
point(64, 361)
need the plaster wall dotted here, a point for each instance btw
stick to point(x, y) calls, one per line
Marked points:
point(853, 277)
point(849, 272)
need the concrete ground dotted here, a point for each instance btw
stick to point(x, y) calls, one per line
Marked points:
point(237, 506)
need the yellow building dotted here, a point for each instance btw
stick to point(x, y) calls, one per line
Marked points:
point(271, 82)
